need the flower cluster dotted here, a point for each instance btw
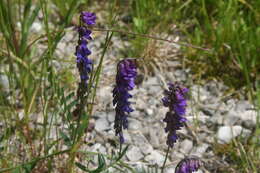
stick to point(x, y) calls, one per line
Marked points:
point(82, 52)
point(188, 165)
point(176, 102)
point(126, 74)
point(84, 64)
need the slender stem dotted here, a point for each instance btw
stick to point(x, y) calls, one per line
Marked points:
point(99, 68)
point(120, 148)
point(153, 37)
point(168, 150)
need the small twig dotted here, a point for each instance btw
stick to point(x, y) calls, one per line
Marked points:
point(153, 37)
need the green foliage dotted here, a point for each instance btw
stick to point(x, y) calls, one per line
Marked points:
point(63, 6)
point(231, 29)
point(106, 161)
point(146, 15)
point(242, 154)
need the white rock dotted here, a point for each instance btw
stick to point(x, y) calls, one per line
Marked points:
point(134, 154)
point(237, 117)
point(105, 94)
point(154, 89)
point(102, 124)
point(226, 133)
point(198, 93)
point(151, 81)
point(4, 83)
point(217, 119)
point(183, 131)
point(21, 114)
point(134, 124)
point(170, 169)
point(180, 75)
point(98, 148)
point(154, 138)
point(111, 116)
point(186, 146)
point(127, 137)
point(198, 117)
point(231, 103)
point(140, 103)
point(243, 105)
point(155, 158)
point(149, 111)
point(231, 118)
point(140, 140)
point(200, 150)
point(176, 155)
point(146, 148)
point(36, 27)
point(249, 115)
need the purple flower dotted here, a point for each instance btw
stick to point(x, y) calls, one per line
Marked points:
point(188, 165)
point(82, 52)
point(126, 74)
point(176, 102)
point(84, 33)
point(88, 18)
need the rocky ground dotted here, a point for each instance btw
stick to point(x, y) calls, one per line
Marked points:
point(214, 116)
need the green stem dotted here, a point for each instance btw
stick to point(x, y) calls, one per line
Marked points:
point(168, 150)
point(120, 148)
point(98, 71)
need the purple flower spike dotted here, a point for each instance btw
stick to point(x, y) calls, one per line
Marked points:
point(126, 74)
point(82, 52)
point(188, 165)
point(176, 102)
point(88, 18)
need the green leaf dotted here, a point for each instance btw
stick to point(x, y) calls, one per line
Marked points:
point(101, 160)
point(26, 25)
point(29, 167)
point(101, 164)
point(65, 138)
point(82, 167)
point(83, 125)
point(17, 170)
point(68, 97)
point(121, 154)
point(49, 146)
point(6, 24)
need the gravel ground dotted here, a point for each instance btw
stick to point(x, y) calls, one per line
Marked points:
point(213, 115)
